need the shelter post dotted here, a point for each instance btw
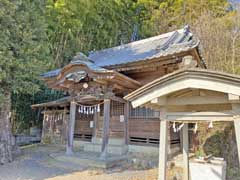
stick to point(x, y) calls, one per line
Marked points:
point(70, 129)
point(185, 152)
point(236, 111)
point(106, 121)
point(237, 132)
point(163, 149)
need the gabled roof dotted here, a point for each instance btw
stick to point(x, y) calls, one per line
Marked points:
point(81, 68)
point(154, 47)
point(185, 79)
point(167, 44)
point(80, 58)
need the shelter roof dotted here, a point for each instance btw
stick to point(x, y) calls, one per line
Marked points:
point(185, 79)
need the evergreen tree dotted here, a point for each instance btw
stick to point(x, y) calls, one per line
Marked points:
point(23, 55)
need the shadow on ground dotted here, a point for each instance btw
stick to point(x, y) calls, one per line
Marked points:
point(34, 163)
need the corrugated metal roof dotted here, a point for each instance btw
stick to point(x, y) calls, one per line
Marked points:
point(154, 47)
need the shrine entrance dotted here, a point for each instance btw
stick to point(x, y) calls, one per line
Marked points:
point(190, 96)
point(94, 93)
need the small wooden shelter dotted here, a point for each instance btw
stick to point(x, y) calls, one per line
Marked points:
point(190, 96)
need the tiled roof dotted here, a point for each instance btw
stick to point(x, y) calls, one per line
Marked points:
point(154, 47)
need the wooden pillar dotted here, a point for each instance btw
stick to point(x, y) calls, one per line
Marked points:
point(106, 122)
point(185, 152)
point(169, 142)
point(45, 116)
point(51, 123)
point(181, 140)
point(237, 132)
point(126, 118)
point(163, 146)
point(70, 129)
point(236, 110)
point(64, 125)
point(95, 121)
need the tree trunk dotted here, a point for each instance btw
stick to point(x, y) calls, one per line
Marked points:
point(6, 137)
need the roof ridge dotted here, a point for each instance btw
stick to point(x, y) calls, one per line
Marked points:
point(169, 41)
point(164, 35)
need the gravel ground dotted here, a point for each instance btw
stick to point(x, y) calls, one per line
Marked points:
point(35, 164)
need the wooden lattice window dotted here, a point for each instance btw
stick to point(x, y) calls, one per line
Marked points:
point(142, 112)
point(116, 108)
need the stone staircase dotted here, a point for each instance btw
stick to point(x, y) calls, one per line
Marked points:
point(115, 146)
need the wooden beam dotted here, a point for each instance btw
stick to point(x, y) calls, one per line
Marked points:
point(201, 108)
point(163, 146)
point(185, 152)
point(118, 99)
point(106, 121)
point(200, 116)
point(233, 98)
point(54, 111)
point(193, 100)
point(70, 129)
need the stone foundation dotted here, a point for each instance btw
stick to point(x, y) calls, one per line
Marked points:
point(115, 146)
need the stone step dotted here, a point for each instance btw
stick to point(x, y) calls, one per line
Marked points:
point(111, 141)
point(88, 159)
point(111, 149)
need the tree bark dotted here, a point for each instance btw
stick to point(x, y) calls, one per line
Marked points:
point(6, 137)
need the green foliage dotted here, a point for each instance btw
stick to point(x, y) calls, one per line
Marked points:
point(213, 144)
point(159, 16)
point(23, 45)
point(80, 25)
point(24, 54)
point(23, 117)
point(39, 35)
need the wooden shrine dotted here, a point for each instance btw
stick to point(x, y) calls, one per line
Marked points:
point(103, 78)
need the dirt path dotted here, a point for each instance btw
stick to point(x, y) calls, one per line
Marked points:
point(35, 164)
